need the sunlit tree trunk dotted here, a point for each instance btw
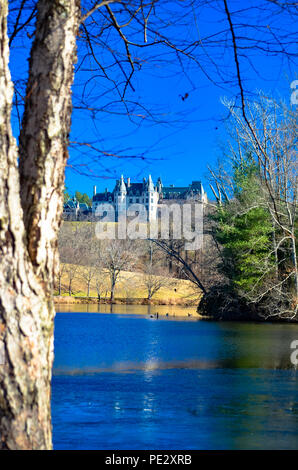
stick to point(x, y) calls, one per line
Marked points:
point(31, 198)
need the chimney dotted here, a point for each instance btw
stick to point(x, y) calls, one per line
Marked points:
point(128, 182)
point(94, 190)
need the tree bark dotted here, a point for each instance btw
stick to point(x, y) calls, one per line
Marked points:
point(29, 223)
point(45, 129)
point(294, 254)
point(112, 297)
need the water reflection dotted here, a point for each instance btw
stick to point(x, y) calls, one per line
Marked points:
point(147, 310)
point(130, 382)
point(104, 343)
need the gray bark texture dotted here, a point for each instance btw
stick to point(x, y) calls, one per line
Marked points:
point(31, 201)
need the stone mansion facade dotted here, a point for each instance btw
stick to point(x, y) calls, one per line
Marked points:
point(150, 196)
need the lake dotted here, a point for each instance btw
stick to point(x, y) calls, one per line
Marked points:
point(128, 381)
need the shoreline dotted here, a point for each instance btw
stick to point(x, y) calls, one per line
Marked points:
point(69, 300)
point(149, 311)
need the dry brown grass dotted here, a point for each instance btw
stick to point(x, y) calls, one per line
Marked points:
point(130, 288)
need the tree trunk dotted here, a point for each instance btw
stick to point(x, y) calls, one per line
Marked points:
point(112, 293)
point(45, 129)
point(29, 227)
point(112, 290)
point(275, 249)
point(294, 254)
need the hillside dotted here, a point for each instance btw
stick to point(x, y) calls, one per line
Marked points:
point(131, 287)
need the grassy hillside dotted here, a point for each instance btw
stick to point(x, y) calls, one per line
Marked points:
point(131, 286)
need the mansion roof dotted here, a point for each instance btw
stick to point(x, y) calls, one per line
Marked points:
point(138, 189)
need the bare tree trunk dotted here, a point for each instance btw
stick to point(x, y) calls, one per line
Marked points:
point(45, 129)
point(112, 292)
point(29, 228)
point(275, 249)
point(295, 264)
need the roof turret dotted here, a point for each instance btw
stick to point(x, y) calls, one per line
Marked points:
point(150, 184)
point(122, 188)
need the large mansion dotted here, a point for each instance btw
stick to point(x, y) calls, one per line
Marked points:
point(125, 194)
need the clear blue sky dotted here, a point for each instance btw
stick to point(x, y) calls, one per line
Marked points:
point(180, 148)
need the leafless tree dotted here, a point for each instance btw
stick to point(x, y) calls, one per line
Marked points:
point(154, 279)
point(100, 279)
point(155, 275)
point(60, 272)
point(117, 256)
point(74, 245)
point(31, 206)
point(271, 140)
point(89, 252)
point(119, 38)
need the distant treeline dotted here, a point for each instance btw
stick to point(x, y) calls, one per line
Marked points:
point(80, 197)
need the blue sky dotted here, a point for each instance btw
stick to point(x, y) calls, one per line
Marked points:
point(189, 137)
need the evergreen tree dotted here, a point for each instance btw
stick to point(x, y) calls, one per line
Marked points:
point(244, 230)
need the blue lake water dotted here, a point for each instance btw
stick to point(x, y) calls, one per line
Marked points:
point(133, 382)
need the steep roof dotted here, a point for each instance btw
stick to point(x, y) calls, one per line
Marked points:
point(173, 192)
point(135, 188)
point(182, 192)
point(83, 206)
point(70, 204)
point(102, 196)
